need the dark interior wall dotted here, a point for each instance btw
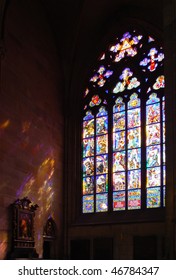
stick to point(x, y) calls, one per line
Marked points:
point(31, 119)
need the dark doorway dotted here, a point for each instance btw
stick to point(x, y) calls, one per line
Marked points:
point(80, 249)
point(103, 249)
point(145, 248)
point(46, 250)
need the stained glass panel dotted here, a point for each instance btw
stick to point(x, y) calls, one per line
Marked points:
point(101, 202)
point(119, 121)
point(134, 199)
point(102, 144)
point(153, 197)
point(134, 118)
point(88, 185)
point(118, 201)
point(101, 164)
point(88, 204)
point(153, 156)
point(134, 138)
point(128, 81)
point(118, 181)
point(134, 159)
point(88, 128)
point(119, 141)
point(119, 105)
point(134, 179)
point(119, 161)
point(153, 177)
point(101, 125)
point(88, 166)
point(153, 113)
point(153, 134)
point(134, 101)
point(88, 147)
point(101, 183)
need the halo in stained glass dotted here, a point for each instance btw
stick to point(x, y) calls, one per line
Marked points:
point(134, 101)
point(102, 112)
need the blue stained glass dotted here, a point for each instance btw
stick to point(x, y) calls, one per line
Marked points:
point(119, 121)
point(102, 112)
point(101, 125)
point(101, 183)
point(102, 164)
point(88, 185)
point(134, 138)
point(88, 204)
point(88, 147)
point(153, 197)
point(119, 105)
point(153, 156)
point(152, 99)
point(102, 144)
point(134, 179)
point(119, 141)
point(101, 203)
point(88, 116)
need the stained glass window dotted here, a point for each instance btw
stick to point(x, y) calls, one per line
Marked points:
point(123, 128)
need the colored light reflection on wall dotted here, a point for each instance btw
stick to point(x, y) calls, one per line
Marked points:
point(39, 187)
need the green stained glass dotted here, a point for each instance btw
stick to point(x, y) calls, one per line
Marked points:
point(153, 197)
point(101, 203)
point(88, 204)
